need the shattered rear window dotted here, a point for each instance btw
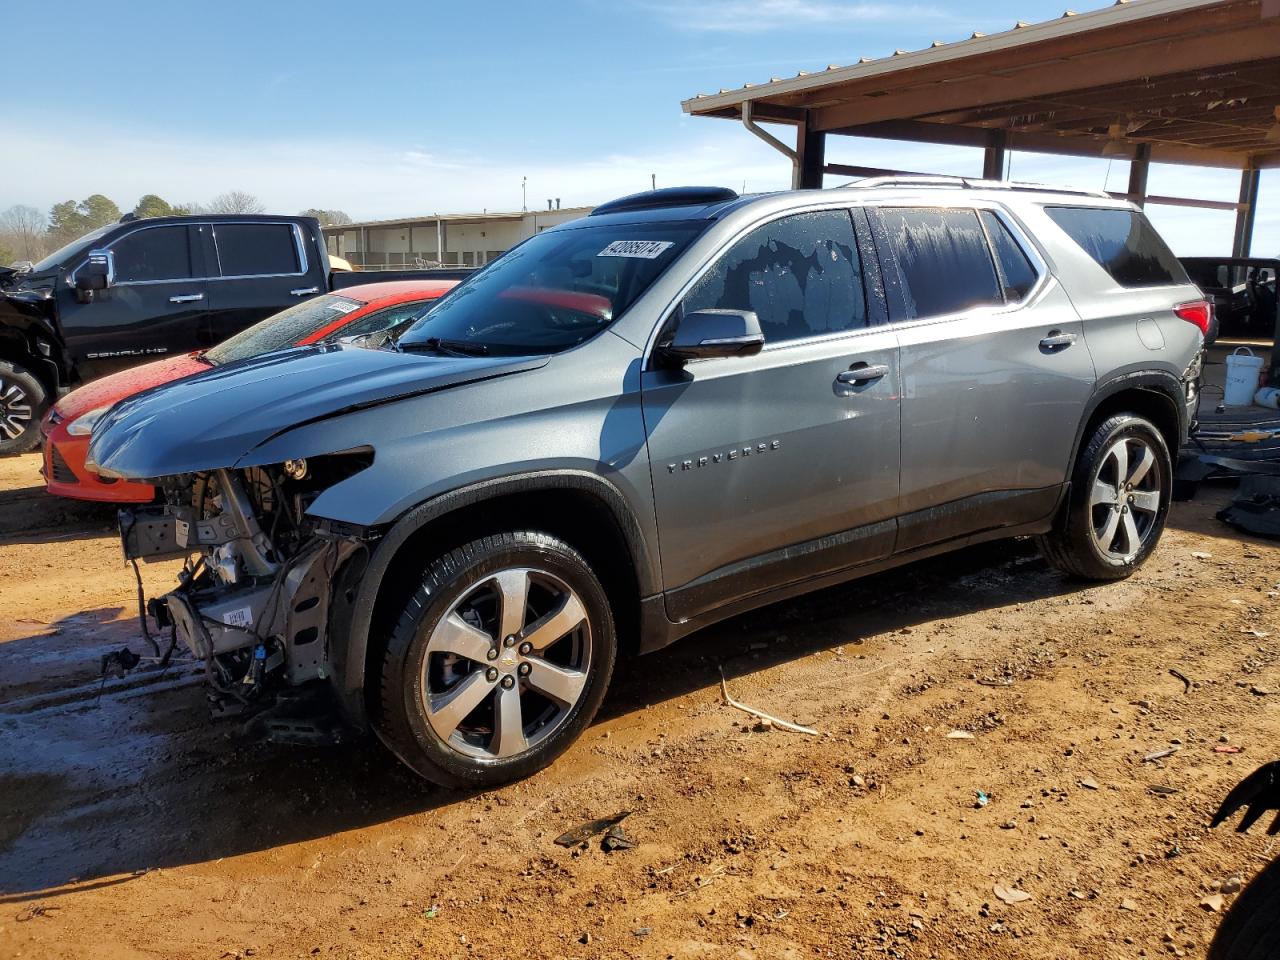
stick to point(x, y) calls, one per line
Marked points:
point(1123, 243)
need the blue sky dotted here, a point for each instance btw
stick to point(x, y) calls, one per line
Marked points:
point(392, 110)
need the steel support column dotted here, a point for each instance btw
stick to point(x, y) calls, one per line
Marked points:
point(1139, 167)
point(1246, 213)
point(811, 157)
point(994, 155)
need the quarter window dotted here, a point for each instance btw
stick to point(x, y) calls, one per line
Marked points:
point(156, 253)
point(1017, 275)
point(801, 275)
point(1123, 243)
point(256, 249)
point(943, 260)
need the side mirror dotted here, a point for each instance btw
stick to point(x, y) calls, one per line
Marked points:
point(96, 273)
point(716, 333)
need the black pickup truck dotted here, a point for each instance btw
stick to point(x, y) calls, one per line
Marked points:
point(134, 290)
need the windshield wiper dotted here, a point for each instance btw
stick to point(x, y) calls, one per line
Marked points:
point(458, 348)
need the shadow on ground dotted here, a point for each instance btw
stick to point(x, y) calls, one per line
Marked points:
point(135, 780)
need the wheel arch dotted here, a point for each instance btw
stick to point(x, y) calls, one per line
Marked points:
point(583, 509)
point(1154, 394)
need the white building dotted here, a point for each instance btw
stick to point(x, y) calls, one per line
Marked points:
point(466, 239)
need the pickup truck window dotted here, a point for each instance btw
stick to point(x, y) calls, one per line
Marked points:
point(801, 275)
point(153, 253)
point(67, 252)
point(554, 291)
point(256, 249)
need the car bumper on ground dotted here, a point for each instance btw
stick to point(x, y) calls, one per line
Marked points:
point(65, 474)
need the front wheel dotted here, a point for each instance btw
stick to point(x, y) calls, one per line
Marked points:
point(499, 661)
point(1118, 503)
point(23, 399)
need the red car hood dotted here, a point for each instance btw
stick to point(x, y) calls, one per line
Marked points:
point(117, 386)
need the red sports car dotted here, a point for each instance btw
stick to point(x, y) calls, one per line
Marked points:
point(67, 426)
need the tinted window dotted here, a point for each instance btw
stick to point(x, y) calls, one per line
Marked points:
point(1017, 275)
point(943, 259)
point(256, 249)
point(157, 253)
point(283, 329)
point(554, 291)
point(1123, 243)
point(801, 275)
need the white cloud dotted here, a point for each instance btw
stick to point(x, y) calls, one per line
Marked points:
point(371, 180)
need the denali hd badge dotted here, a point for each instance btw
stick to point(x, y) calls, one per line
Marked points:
point(737, 453)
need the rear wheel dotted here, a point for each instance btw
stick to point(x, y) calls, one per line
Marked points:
point(1118, 503)
point(499, 660)
point(22, 403)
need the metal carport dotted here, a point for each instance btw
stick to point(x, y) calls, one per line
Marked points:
point(1168, 81)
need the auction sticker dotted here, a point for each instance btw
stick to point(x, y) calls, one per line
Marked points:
point(636, 249)
point(243, 617)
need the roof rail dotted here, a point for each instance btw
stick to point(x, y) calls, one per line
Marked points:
point(967, 183)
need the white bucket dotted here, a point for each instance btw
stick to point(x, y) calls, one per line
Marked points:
point(1242, 378)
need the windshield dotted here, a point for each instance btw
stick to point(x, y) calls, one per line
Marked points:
point(283, 329)
point(554, 291)
point(65, 253)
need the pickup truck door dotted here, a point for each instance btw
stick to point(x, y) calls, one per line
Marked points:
point(261, 268)
point(781, 467)
point(157, 302)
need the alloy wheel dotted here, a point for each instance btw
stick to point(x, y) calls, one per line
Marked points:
point(1124, 502)
point(506, 665)
point(16, 412)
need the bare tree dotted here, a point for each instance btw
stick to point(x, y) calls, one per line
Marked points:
point(23, 229)
point(236, 201)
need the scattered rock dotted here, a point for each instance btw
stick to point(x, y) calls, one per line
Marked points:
point(1213, 902)
point(1128, 904)
point(1010, 893)
point(1089, 783)
point(1231, 885)
point(960, 735)
point(1258, 691)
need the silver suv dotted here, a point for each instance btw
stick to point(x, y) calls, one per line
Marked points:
point(683, 406)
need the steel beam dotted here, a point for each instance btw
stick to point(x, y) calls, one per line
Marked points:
point(1246, 213)
point(994, 154)
point(1139, 167)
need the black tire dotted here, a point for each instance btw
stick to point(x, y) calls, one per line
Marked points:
point(1073, 544)
point(23, 400)
point(1251, 928)
point(402, 718)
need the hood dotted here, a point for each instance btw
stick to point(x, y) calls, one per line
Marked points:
point(215, 418)
point(114, 388)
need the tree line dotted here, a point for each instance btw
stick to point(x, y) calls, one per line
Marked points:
point(27, 233)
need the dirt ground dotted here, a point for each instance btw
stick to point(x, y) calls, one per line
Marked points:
point(130, 826)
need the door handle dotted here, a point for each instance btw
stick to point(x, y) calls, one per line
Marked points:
point(187, 298)
point(304, 291)
point(863, 374)
point(1056, 339)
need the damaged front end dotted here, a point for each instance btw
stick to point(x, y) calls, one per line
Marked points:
point(261, 596)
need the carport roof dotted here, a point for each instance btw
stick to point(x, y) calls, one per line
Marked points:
point(1181, 81)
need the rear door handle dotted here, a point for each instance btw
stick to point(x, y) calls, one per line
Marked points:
point(187, 298)
point(1057, 339)
point(304, 291)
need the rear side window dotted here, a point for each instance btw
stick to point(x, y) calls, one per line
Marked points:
point(1017, 275)
point(382, 319)
point(256, 249)
point(801, 275)
point(943, 259)
point(1123, 243)
point(156, 253)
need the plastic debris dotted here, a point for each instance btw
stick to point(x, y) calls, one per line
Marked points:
point(983, 799)
point(1089, 783)
point(615, 838)
point(960, 735)
point(1213, 902)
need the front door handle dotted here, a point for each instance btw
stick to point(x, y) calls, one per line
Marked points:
point(304, 291)
point(187, 298)
point(1057, 340)
point(860, 373)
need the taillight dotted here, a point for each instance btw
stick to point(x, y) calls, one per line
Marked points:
point(1199, 312)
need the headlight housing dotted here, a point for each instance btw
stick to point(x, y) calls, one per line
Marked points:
point(83, 425)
